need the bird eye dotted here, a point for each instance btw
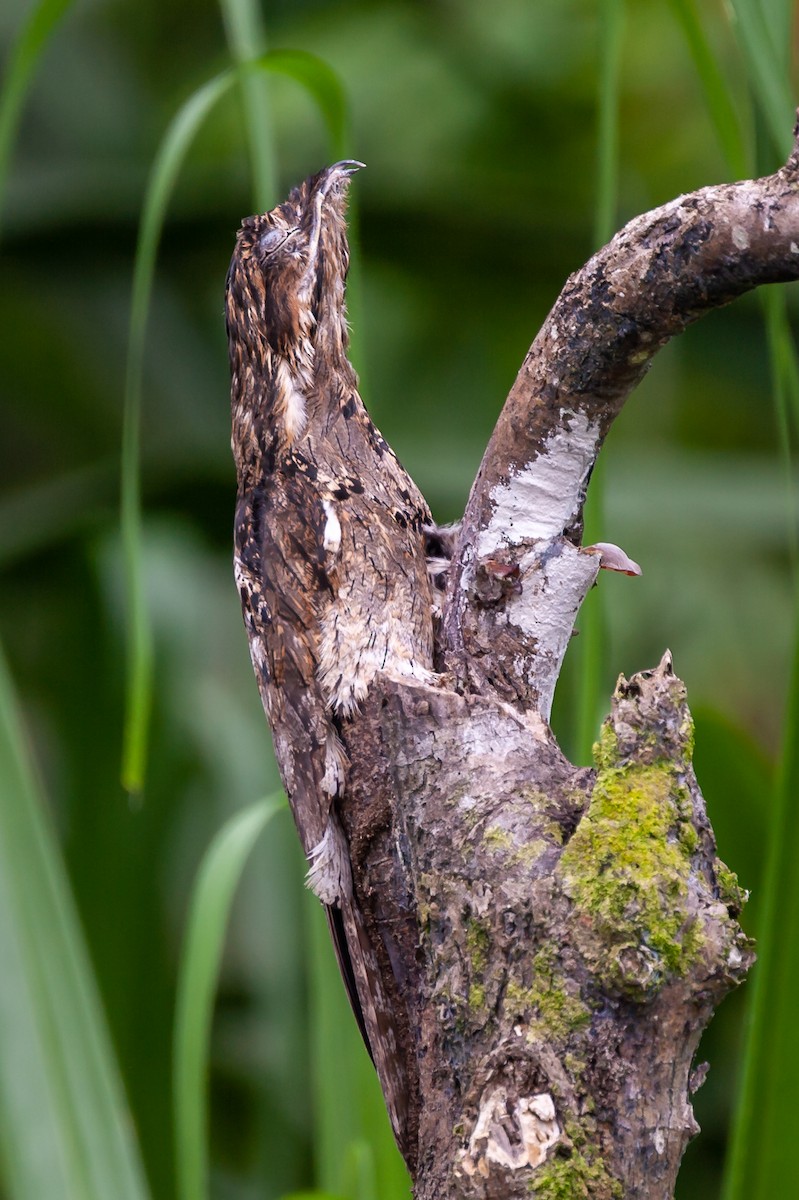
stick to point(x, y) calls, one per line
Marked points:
point(269, 241)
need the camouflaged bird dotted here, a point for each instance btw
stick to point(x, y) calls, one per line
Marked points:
point(329, 544)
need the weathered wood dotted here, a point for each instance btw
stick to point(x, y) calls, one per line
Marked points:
point(536, 947)
point(561, 937)
point(661, 272)
point(574, 932)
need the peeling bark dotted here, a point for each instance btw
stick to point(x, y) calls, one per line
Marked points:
point(660, 273)
point(554, 940)
point(568, 933)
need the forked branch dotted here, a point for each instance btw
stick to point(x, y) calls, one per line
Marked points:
point(533, 949)
point(664, 270)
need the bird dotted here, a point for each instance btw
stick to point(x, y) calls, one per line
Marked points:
point(329, 549)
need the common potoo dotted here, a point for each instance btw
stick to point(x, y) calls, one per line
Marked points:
point(329, 544)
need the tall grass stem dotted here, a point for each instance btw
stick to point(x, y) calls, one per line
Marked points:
point(24, 59)
point(65, 1128)
point(593, 623)
point(211, 901)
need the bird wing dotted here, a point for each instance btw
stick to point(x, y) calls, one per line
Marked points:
point(281, 582)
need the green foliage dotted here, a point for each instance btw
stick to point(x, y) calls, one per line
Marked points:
point(486, 187)
point(41, 23)
point(323, 85)
point(64, 1128)
point(197, 982)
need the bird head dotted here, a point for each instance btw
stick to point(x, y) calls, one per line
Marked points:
point(289, 266)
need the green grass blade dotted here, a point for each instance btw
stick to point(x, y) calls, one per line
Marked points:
point(168, 162)
point(218, 876)
point(64, 1127)
point(717, 96)
point(782, 351)
point(611, 38)
point(352, 1140)
point(785, 385)
point(325, 87)
point(762, 1159)
point(764, 56)
point(246, 40)
point(360, 1177)
point(23, 60)
point(591, 698)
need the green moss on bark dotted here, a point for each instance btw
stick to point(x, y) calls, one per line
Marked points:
point(627, 869)
point(578, 1174)
point(498, 839)
point(730, 891)
point(477, 997)
point(551, 1011)
point(478, 940)
point(575, 1178)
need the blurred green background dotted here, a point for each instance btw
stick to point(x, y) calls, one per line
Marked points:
point(478, 123)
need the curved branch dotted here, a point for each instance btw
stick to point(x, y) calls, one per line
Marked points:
point(519, 575)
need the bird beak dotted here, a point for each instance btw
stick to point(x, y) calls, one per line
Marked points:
point(348, 166)
point(339, 172)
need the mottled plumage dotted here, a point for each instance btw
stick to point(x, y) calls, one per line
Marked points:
point(330, 557)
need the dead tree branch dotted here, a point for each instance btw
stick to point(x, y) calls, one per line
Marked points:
point(534, 949)
point(564, 934)
point(660, 273)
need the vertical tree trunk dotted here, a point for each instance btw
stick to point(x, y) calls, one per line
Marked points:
point(575, 932)
point(535, 948)
point(554, 940)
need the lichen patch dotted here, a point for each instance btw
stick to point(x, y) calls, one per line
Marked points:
point(627, 869)
point(510, 1134)
point(542, 499)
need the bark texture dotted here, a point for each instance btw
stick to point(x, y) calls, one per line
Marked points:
point(661, 272)
point(566, 935)
point(554, 940)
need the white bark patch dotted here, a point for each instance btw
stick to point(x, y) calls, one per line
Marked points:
point(531, 510)
point(544, 497)
point(740, 237)
point(553, 588)
point(510, 1134)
